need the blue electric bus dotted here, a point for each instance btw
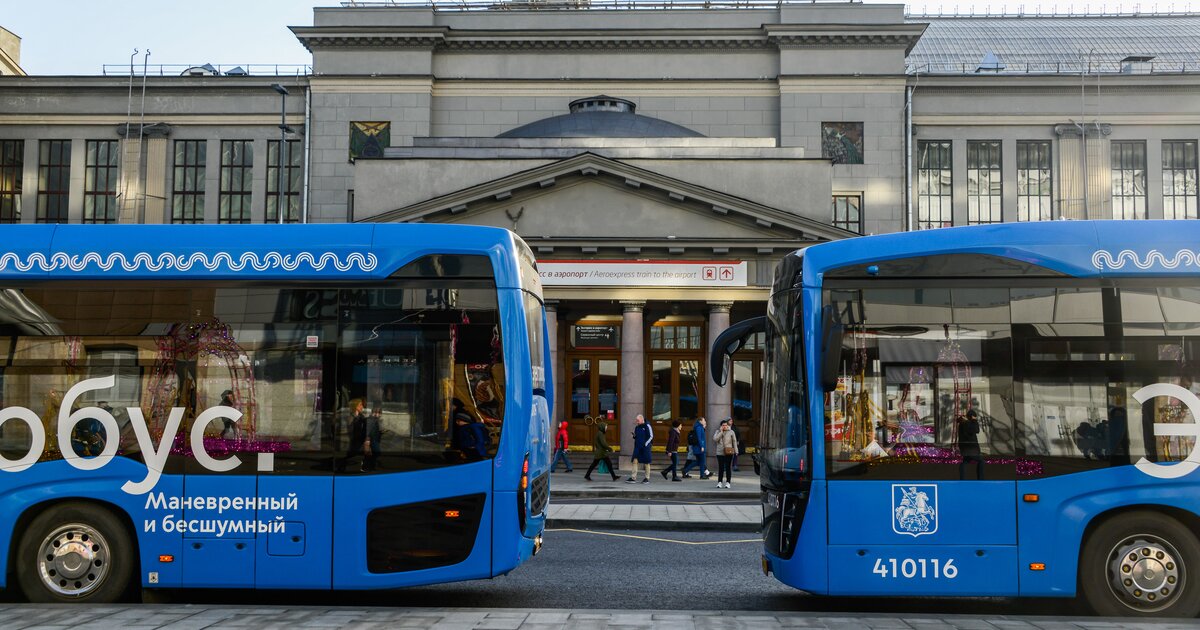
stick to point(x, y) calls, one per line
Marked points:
point(1004, 410)
point(284, 407)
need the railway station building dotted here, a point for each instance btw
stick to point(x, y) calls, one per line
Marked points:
point(659, 158)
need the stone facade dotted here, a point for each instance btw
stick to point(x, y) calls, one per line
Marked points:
point(763, 88)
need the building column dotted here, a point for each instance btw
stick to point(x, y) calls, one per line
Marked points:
point(633, 374)
point(718, 399)
point(555, 367)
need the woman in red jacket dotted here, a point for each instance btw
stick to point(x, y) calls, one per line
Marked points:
point(560, 448)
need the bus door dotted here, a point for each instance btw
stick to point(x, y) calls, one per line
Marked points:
point(252, 527)
point(218, 534)
point(418, 437)
point(298, 514)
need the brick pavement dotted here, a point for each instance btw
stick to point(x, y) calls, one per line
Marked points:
point(198, 617)
point(705, 517)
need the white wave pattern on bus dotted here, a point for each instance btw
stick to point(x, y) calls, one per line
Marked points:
point(185, 262)
point(1103, 259)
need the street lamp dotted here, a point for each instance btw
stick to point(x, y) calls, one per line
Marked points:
point(283, 132)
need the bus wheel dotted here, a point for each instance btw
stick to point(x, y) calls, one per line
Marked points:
point(1141, 564)
point(75, 552)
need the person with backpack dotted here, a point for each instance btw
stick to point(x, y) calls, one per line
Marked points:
point(600, 451)
point(696, 444)
point(673, 450)
point(560, 448)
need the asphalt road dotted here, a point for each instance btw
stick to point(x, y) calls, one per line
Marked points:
point(636, 570)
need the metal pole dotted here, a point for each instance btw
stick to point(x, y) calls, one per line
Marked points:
point(283, 129)
point(279, 205)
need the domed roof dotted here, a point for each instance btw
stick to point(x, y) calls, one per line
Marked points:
point(601, 117)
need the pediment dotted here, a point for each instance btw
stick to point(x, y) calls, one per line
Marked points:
point(592, 196)
point(600, 208)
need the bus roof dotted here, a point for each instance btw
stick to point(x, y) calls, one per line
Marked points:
point(1074, 248)
point(362, 251)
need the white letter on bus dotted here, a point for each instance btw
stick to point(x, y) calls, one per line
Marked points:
point(215, 465)
point(1189, 429)
point(66, 423)
point(156, 459)
point(37, 436)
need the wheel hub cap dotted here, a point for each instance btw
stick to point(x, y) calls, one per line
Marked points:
point(1145, 573)
point(73, 560)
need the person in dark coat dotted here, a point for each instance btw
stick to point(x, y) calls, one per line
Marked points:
point(373, 436)
point(968, 443)
point(697, 447)
point(673, 450)
point(464, 439)
point(229, 427)
point(358, 433)
point(600, 451)
point(642, 436)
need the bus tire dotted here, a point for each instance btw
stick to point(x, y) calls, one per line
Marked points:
point(1141, 564)
point(75, 552)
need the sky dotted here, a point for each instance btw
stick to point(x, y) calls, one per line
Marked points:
point(80, 37)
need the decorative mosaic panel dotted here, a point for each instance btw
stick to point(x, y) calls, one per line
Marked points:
point(842, 142)
point(369, 139)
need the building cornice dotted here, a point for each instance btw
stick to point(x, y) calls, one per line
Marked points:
point(845, 36)
point(267, 120)
point(769, 37)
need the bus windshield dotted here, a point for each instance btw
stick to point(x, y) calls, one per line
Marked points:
point(784, 440)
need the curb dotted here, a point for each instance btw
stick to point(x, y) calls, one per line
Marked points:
point(601, 493)
point(673, 526)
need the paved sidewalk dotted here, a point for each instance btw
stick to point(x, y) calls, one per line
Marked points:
point(677, 517)
point(572, 485)
point(28, 616)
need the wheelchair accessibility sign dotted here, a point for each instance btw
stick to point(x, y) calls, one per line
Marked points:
point(914, 509)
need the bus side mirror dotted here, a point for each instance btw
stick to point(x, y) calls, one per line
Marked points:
point(730, 342)
point(831, 349)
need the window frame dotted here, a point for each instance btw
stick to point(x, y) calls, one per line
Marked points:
point(1127, 177)
point(100, 181)
point(991, 191)
point(54, 181)
point(927, 192)
point(844, 222)
point(1025, 201)
point(293, 176)
point(239, 171)
point(12, 174)
point(187, 205)
point(1172, 196)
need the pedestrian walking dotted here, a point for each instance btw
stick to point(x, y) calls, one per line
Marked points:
point(560, 448)
point(642, 436)
point(600, 451)
point(673, 451)
point(726, 444)
point(697, 442)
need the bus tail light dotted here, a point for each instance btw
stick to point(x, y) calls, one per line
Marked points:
point(522, 493)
